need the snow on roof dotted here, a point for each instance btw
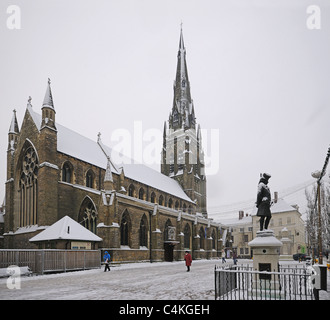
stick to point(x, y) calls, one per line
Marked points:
point(66, 229)
point(96, 153)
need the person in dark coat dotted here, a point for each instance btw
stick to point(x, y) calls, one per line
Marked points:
point(106, 259)
point(188, 259)
point(264, 201)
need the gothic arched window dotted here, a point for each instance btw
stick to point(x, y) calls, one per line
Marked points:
point(170, 203)
point(90, 179)
point(28, 187)
point(202, 238)
point(153, 197)
point(161, 200)
point(187, 236)
point(141, 194)
point(125, 229)
point(213, 239)
point(143, 232)
point(88, 215)
point(131, 191)
point(67, 172)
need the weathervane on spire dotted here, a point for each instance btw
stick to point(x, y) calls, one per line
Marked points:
point(48, 80)
point(29, 100)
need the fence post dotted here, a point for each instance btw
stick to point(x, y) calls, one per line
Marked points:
point(64, 258)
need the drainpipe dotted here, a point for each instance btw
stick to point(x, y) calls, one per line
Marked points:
point(150, 236)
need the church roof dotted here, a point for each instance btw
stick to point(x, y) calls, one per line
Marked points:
point(96, 153)
point(66, 229)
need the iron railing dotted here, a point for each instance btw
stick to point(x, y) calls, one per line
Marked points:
point(243, 283)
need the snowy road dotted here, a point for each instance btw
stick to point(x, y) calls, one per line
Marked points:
point(151, 281)
point(136, 281)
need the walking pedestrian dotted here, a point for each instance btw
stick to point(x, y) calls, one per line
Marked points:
point(223, 256)
point(106, 259)
point(235, 257)
point(188, 259)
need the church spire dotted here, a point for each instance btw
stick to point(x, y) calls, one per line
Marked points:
point(181, 115)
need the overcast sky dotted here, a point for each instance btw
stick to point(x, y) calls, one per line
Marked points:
point(259, 79)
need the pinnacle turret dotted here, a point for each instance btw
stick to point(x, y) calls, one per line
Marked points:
point(48, 110)
point(48, 100)
point(14, 124)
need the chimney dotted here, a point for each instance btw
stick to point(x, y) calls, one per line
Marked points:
point(275, 196)
point(240, 215)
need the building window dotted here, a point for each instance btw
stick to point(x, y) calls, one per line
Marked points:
point(170, 203)
point(161, 200)
point(153, 197)
point(28, 188)
point(67, 172)
point(213, 239)
point(88, 215)
point(202, 235)
point(187, 236)
point(177, 205)
point(141, 194)
point(143, 232)
point(131, 191)
point(90, 179)
point(125, 227)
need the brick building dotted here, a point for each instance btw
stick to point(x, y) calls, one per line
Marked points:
point(139, 213)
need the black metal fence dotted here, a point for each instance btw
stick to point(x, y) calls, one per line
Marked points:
point(243, 283)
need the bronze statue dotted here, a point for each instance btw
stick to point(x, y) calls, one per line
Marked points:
point(264, 201)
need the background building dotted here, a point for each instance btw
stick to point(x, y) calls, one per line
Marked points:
point(286, 222)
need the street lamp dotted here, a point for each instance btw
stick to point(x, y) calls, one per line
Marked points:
point(318, 175)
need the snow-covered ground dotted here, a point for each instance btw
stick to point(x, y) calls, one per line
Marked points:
point(138, 281)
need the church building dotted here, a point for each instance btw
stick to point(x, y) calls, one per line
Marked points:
point(138, 213)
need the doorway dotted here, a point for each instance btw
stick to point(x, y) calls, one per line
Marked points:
point(168, 251)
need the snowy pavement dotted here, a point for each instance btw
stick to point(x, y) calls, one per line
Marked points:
point(138, 281)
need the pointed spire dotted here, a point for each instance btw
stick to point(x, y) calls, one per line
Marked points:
point(182, 99)
point(14, 124)
point(48, 100)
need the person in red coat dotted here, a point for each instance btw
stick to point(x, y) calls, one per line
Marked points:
point(188, 259)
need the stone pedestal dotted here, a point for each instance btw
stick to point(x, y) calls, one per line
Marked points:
point(266, 250)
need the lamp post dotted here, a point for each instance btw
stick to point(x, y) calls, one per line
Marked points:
point(319, 175)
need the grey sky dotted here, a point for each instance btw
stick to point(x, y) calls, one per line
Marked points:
point(257, 74)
